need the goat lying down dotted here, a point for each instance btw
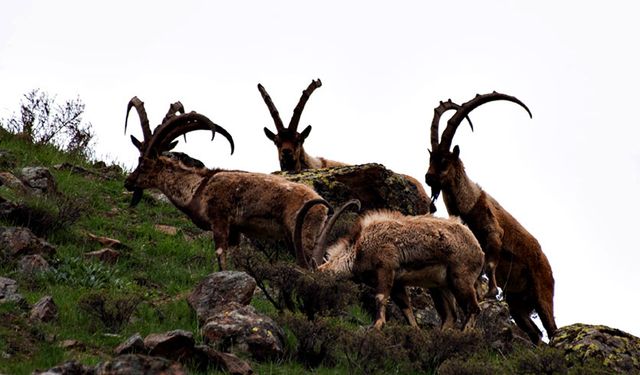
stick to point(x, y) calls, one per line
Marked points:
point(391, 251)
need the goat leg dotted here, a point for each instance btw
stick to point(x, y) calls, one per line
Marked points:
point(384, 280)
point(400, 296)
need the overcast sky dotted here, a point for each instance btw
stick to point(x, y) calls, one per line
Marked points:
point(570, 175)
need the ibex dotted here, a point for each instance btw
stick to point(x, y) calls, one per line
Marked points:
point(228, 203)
point(391, 251)
point(513, 257)
point(290, 143)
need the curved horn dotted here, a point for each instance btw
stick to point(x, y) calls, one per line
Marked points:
point(297, 112)
point(272, 108)
point(297, 232)
point(174, 108)
point(177, 126)
point(321, 243)
point(437, 113)
point(466, 108)
point(142, 113)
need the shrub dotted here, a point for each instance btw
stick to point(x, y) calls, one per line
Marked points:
point(315, 340)
point(113, 311)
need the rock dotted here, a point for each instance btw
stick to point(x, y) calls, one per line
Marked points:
point(14, 183)
point(137, 364)
point(72, 344)
point(68, 368)
point(45, 310)
point(40, 179)
point(166, 229)
point(31, 264)
point(497, 328)
point(226, 362)
point(19, 241)
point(175, 345)
point(133, 345)
point(219, 289)
point(244, 329)
point(615, 349)
point(375, 186)
point(9, 292)
point(105, 255)
point(108, 242)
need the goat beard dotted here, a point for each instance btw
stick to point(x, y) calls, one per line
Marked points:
point(435, 193)
point(136, 198)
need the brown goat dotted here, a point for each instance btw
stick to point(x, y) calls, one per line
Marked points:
point(228, 203)
point(391, 251)
point(290, 143)
point(513, 257)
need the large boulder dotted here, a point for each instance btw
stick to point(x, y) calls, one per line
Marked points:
point(615, 349)
point(374, 185)
point(219, 289)
point(243, 328)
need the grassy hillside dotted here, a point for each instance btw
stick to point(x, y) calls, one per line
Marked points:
point(145, 291)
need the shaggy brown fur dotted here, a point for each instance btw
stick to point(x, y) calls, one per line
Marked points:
point(514, 259)
point(228, 203)
point(391, 251)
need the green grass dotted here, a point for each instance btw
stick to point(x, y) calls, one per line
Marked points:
point(157, 271)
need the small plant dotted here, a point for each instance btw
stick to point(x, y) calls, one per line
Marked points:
point(315, 340)
point(113, 312)
point(43, 121)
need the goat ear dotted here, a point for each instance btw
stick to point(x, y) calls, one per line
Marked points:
point(269, 134)
point(171, 146)
point(456, 151)
point(136, 143)
point(305, 132)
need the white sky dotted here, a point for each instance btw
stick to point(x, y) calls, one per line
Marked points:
point(570, 175)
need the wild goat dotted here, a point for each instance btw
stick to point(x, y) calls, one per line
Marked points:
point(228, 203)
point(391, 251)
point(290, 143)
point(513, 257)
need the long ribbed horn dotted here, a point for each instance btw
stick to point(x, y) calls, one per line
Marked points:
point(321, 243)
point(466, 108)
point(435, 123)
point(142, 113)
point(297, 112)
point(297, 232)
point(174, 108)
point(272, 108)
point(180, 125)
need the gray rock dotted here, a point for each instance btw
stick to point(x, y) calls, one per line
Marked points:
point(39, 178)
point(9, 292)
point(31, 264)
point(615, 349)
point(207, 358)
point(243, 328)
point(68, 368)
point(219, 289)
point(137, 364)
point(105, 255)
point(14, 183)
point(45, 310)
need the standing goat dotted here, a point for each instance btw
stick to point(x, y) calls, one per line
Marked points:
point(391, 251)
point(228, 203)
point(513, 257)
point(290, 143)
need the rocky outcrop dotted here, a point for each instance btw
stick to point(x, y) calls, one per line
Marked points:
point(242, 328)
point(614, 348)
point(374, 185)
point(218, 290)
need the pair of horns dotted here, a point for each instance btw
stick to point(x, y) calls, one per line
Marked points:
point(297, 112)
point(176, 123)
point(462, 112)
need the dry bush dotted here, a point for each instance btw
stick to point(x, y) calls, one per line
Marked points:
point(113, 311)
point(44, 215)
point(315, 340)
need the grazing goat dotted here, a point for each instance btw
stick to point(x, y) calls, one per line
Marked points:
point(290, 143)
point(513, 257)
point(391, 251)
point(228, 203)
